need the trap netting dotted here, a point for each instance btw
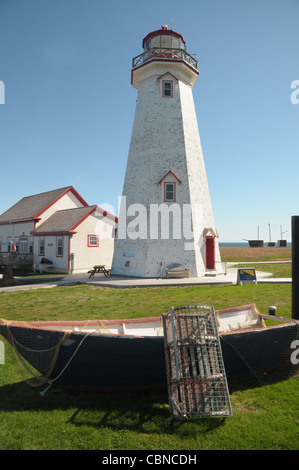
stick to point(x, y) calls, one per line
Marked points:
point(36, 354)
point(197, 384)
point(268, 353)
point(36, 349)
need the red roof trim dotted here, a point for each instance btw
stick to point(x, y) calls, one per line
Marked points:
point(80, 198)
point(210, 229)
point(168, 73)
point(83, 218)
point(108, 214)
point(94, 208)
point(71, 230)
point(73, 191)
point(172, 173)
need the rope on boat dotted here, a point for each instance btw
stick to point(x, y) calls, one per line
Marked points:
point(51, 381)
point(38, 380)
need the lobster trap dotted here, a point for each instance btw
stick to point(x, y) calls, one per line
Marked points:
point(197, 384)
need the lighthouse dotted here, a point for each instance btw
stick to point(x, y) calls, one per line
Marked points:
point(165, 212)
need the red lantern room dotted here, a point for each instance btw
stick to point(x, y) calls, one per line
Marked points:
point(164, 44)
point(163, 38)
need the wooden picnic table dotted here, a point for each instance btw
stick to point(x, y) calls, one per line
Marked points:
point(99, 268)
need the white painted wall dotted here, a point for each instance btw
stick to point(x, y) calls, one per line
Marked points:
point(67, 201)
point(24, 229)
point(164, 137)
point(14, 231)
point(86, 257)
point(60, 263)
point(77, 255)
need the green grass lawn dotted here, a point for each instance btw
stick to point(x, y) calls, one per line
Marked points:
point(281, 270)
point(252, 255)
point(264, 417)
point(91, 302)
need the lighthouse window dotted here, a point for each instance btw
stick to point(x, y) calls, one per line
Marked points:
point(167, 89)
point(169, 192)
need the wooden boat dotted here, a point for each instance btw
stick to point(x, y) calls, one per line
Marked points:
point(256, 243)
point(129, 354)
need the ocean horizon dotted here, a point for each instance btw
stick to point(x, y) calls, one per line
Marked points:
point(231, 244)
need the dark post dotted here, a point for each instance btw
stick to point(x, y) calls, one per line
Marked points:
point(295, 267)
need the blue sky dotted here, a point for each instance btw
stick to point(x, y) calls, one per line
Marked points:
point(69, 105)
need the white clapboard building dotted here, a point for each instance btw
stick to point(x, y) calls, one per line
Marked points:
point(56, 231)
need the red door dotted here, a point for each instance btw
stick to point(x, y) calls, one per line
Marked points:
point(210, 252)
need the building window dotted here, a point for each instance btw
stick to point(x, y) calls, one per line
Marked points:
point(167, 89)
point(169, 192)
point(41, 246)
point(93, 240)
point(59, 246)
point(23, 247)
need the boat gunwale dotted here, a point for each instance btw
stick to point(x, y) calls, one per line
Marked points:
point(97, 322)
point(49, 325)
point(259, 328)
point(45, 325)
point(284, 322)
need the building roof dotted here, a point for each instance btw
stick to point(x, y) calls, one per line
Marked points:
point(31, 207)
point(170, 172)
point(64, 221)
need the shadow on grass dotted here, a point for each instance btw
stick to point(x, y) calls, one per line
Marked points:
point(144, 412)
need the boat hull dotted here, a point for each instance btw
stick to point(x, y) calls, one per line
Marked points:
point(92, 360)
point(109, 362)
point(122, 362)
point(256, 243)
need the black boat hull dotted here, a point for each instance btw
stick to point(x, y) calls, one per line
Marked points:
point(122, 362)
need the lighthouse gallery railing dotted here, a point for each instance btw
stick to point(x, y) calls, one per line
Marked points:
point(165, 54)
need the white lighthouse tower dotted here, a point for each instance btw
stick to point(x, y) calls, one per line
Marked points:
point(165, 215)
